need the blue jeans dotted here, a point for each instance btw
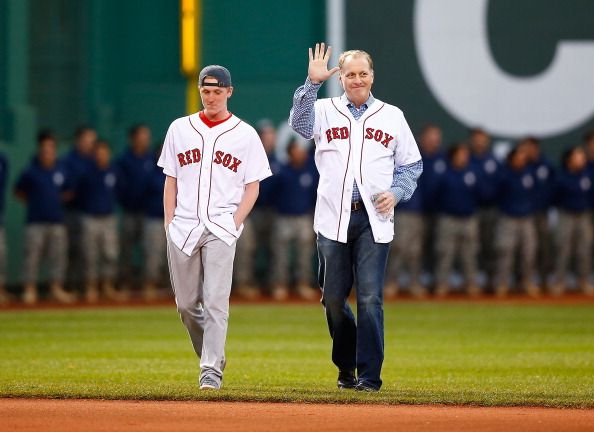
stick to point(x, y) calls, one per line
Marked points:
point(355, 344)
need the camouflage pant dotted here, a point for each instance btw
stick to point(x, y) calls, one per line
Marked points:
point(130, 238)
point(75, 254)
point(2, 257)
point(512, 235)
point(487, 257)
point(457, 236)
point(573, 236)
point(298, 229)
point(100, 241)
point(155, 250)
point(407, 248)
point(257, 232)
point(544, 251)
point(45, 239)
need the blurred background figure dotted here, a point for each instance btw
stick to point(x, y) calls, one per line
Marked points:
point(434, 165)
point(97, 188)
point(44, 187)
point(457, 226)
point(77, 162)
point(256, 238)
point(544, 176)
point(4, 296)
point(487, 169)
point(134, 168)
point(515, 231)
point(406, 253)
point(295, 188)
point(156, 272)
point(573, 237)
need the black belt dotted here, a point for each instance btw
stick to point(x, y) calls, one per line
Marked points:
point(357, 205)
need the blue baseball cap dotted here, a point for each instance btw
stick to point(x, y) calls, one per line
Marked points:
point(220, 73)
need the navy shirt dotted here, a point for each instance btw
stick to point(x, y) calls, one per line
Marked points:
point(488, 170)
point(544, 175)
point(133, 173)
point(266, 194)
point(43, 189)
point(517, 192)
point(573, 190)
point(76, 166)
point(433, 167)
point(295, 190)
point(3, 183)
point(415, 203)
point(97, 189)
point(458, 192)
point(154, 193)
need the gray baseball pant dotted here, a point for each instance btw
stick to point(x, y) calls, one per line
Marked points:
point(154, 245)
point(49, 238)
point(202, 285)
point(100, 238)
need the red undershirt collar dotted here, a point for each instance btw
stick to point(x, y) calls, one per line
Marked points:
point(211, 123)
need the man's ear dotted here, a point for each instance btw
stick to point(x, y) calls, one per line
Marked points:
point(229, 92)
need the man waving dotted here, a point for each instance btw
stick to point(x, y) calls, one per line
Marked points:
point(368, 162)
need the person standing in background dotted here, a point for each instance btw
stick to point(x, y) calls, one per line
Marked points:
point(544, 175)
point(295, 196)
point(4, 297)
point(154, 241)
point(487, 169)
point(434, 165)
point(134, 168)
point(77, 162)
point(44, 187)
point(97, 189)
point(257, 232)
point(515, 230)
point(457, 225)
point(573, 236)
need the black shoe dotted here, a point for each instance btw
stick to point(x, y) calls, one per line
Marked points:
point(346, 380)
point(362, 387)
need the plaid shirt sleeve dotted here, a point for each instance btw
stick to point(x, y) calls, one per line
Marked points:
point(405, 179)
point(302, 115)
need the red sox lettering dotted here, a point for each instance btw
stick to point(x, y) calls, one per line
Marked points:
point(221, 158)
point(189, 157)
point(378, 135)
point(225, 159)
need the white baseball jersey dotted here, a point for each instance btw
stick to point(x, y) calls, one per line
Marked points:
point(212, 167)
point(365, 151)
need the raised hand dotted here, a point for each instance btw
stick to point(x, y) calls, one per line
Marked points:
point(317, 70)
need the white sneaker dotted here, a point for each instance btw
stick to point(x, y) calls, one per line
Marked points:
point(207, 383)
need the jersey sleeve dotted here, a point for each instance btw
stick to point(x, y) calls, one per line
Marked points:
point(167, 159)
point(406, 151)
point(257, 166)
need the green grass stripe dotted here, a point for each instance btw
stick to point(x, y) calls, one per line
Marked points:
point(481, 354)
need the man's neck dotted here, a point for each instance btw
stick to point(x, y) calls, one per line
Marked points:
point(218, 116)
point(357, 103)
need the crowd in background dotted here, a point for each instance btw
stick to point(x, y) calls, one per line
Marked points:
point(477, 223)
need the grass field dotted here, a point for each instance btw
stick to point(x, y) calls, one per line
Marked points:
point(450, 353)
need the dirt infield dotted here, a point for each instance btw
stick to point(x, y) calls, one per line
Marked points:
point(568, 299)
point(97, 415)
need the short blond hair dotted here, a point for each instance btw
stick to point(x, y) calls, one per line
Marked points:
point(355, 53)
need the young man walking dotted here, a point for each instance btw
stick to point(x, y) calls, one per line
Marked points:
point(213, 162)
